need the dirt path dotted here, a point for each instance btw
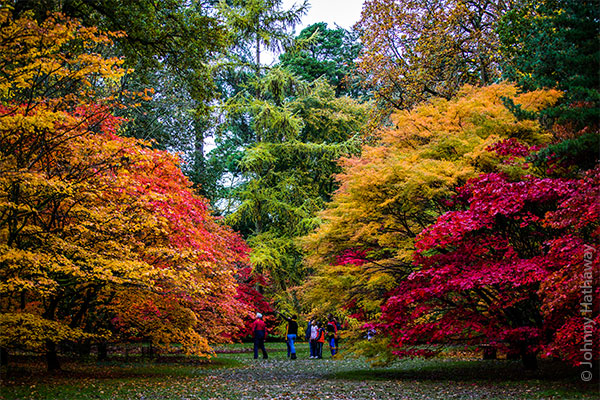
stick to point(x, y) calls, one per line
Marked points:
point(318, 379)
point(236, 376)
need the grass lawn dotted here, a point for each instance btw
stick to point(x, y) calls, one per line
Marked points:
point(233, 374)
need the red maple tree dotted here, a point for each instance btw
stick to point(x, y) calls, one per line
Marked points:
point(507, 270)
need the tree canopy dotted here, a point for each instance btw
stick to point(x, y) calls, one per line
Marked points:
point(430, 177)
point(327, 53)
point(101, 235)
point(418, 49)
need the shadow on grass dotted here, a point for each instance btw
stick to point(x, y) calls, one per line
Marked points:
point(116, 368)
point(467, 371)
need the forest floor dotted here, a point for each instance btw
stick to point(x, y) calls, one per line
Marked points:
point(233, 374)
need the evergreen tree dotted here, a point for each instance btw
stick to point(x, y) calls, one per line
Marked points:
point(288, 176)
point(554, 43)
point(258, 25)
point(328, 53)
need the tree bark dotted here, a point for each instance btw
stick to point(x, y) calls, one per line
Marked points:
point(102, 352)
point(52, 357)
point(489, 353)
point(3, 357)
point(199, 163)
point(529, 360)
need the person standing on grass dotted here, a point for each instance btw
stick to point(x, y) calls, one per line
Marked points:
point(338, 327)
point(320, 340)
point(259, 333)
point(307, 336)
point(292, 333)
point(332, 334)
point(314, 334)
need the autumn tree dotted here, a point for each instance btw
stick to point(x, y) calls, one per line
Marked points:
point(249, 294)
point(399, 186)
point(172, 46)
point(418, 49)
point(94, 225)
point(507, 271)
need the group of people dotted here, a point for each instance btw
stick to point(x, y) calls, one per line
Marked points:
point(317, 333)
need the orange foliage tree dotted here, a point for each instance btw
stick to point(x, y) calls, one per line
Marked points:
point(101, 237)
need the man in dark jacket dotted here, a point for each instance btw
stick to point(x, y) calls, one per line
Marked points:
point(259, 333)
point(292, 333)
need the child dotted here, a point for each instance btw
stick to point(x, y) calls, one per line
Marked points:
point(320, 339)
point(332, 334)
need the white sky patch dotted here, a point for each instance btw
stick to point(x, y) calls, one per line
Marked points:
point(344, 13)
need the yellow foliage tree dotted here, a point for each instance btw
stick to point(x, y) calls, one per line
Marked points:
point(91, 222)
point(400, 185)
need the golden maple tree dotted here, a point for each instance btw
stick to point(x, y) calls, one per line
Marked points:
point(101, 237)
point(400, 185)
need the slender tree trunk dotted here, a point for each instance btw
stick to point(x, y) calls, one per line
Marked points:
point(102, 352)
point(51, 352)
point(3, 357)
point(257, 60)
point(78, 317)
point(199, 165)
point(257, 91)
point(52, 357)
point(529, 360)
point(12, 221)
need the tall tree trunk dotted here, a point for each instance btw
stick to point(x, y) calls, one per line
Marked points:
point(102, 352)
point(199, 165)
point(3, 356)
point(257, 60)
point(528, 357)
point(51, 352)
point(52, 357)
point(529, 360)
